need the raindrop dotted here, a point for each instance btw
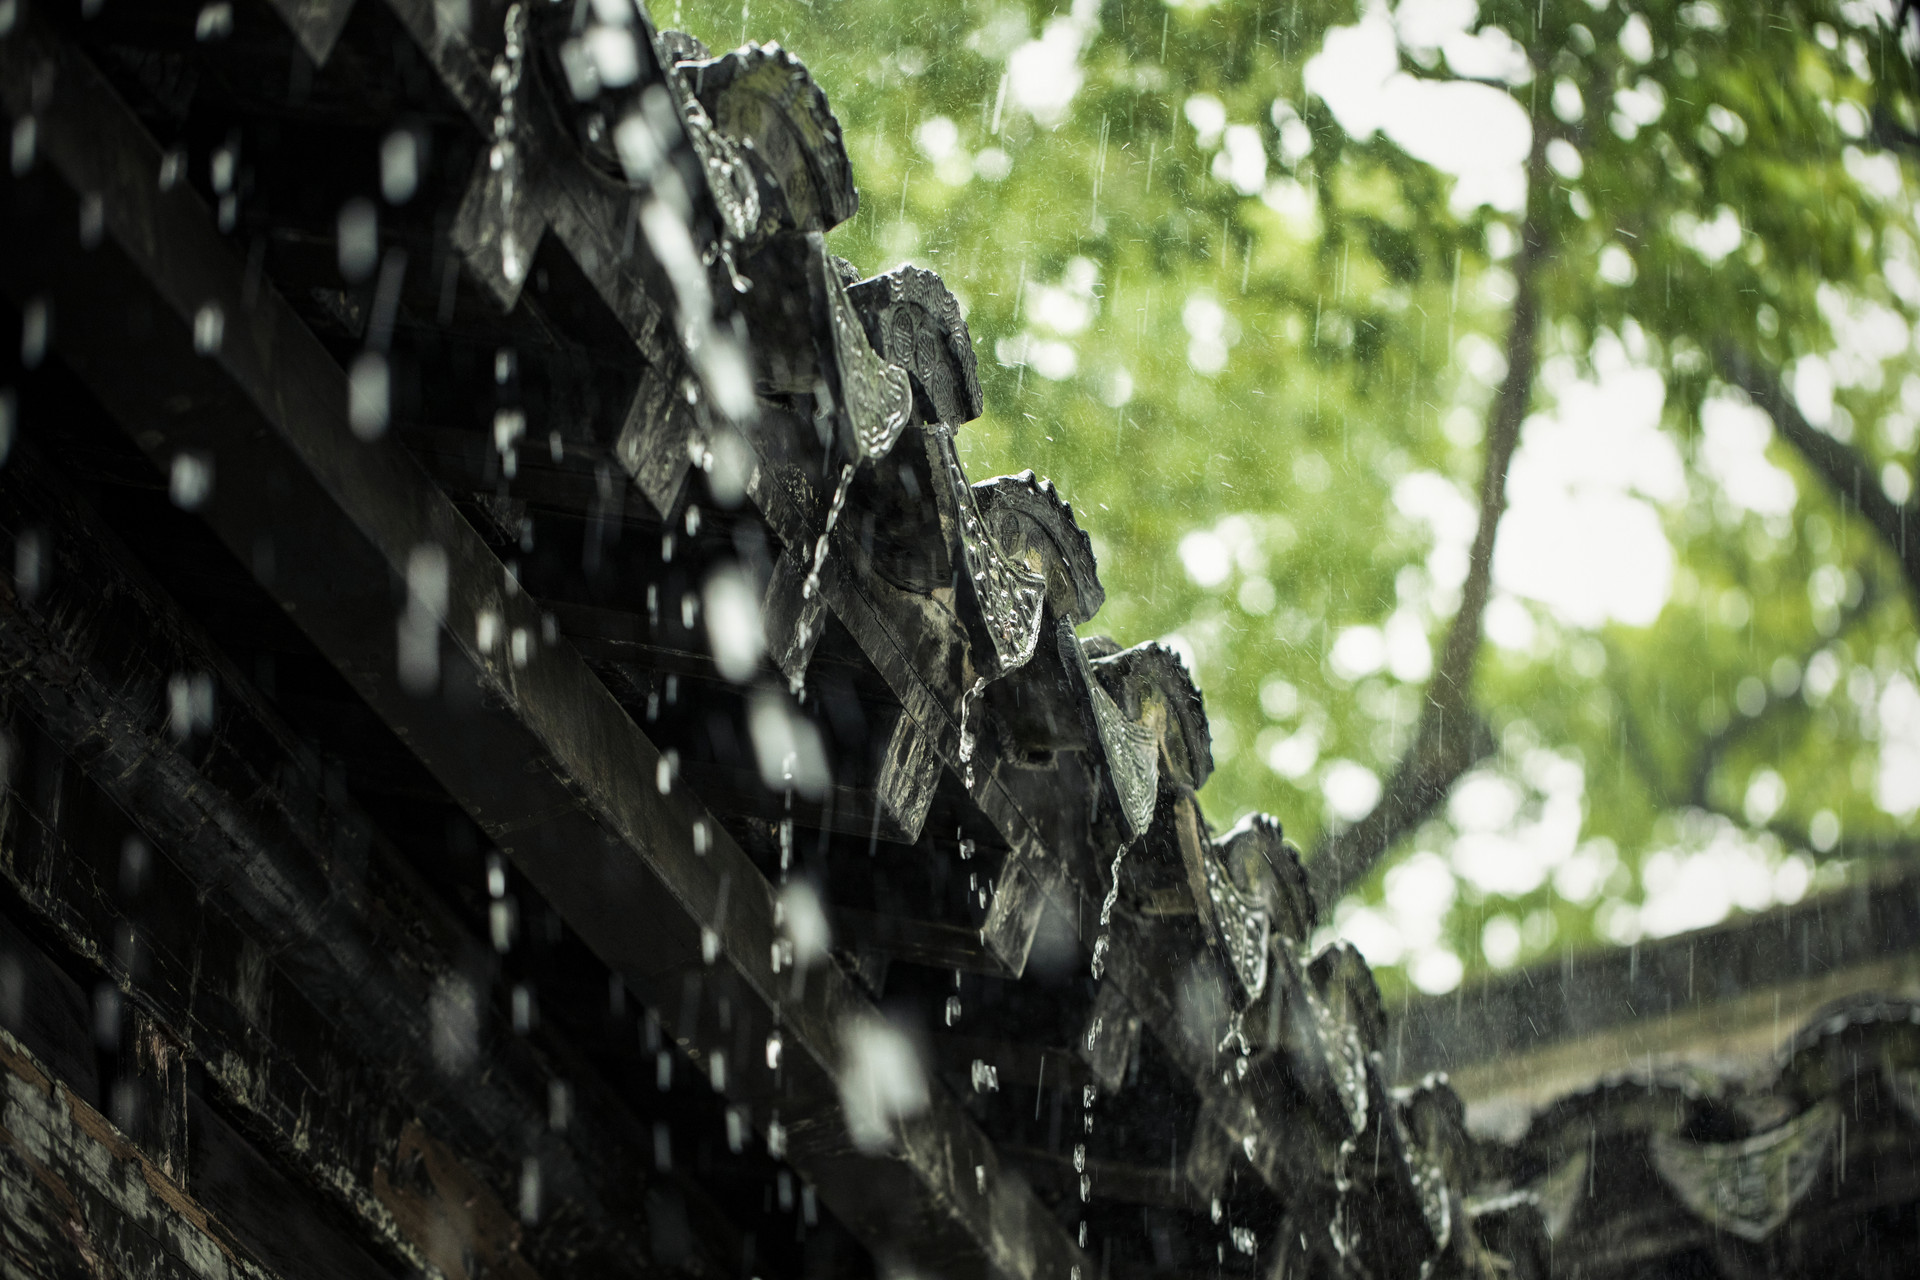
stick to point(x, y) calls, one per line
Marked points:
point(717, 1070)
point(221, 168)
point(774, 1048)
point(800, 912)
point(106, 1016)
point(500, 924)
point(881, 1082)
point(1079, 1157)
point(215, 22)
point(529, 1191)
point(136, 858)
point(736, 1130)
point(357, 239)
point(709, 946)
point(454, 1015)
point(368, 395)
point(36, 325)
point(509, 425)
point(953, 1010)
point(419, 627)
point(189, 704)
point(776, 1138)
point(24, 139)
point(663, 1071)
point(209, 329)
point(399, 166)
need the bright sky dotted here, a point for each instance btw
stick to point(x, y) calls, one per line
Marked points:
point(1474, 131)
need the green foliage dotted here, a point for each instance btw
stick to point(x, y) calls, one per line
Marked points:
point(1254, 372)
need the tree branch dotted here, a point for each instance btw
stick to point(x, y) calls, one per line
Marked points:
point(1845, 469)
point(1697, 791)
point(1451, 737)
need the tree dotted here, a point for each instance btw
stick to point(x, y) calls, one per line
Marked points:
point(1291, 374)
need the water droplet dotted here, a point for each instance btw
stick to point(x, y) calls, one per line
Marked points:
point(369, 395)
point(357, 239)
point(190, 480)
point(215, 22)
point(736, 1130)
point(776, 1138)
point(209, 329)
point(399, 166)
point(774, 1047)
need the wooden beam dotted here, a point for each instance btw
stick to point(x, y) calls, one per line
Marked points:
point(336, 1003)
point(931, 943)
point(520, 733)
point(1734, 991)
point(149, 1123)
point(77, 1198)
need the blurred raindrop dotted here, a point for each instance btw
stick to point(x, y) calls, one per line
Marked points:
point(358, 239)
point(881, 1081)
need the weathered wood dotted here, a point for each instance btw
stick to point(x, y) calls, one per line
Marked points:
point(1794, 953)
point(78, 1199)
point(612, 851)
point(908, 775)
point(249, 819)
point(930, 943)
